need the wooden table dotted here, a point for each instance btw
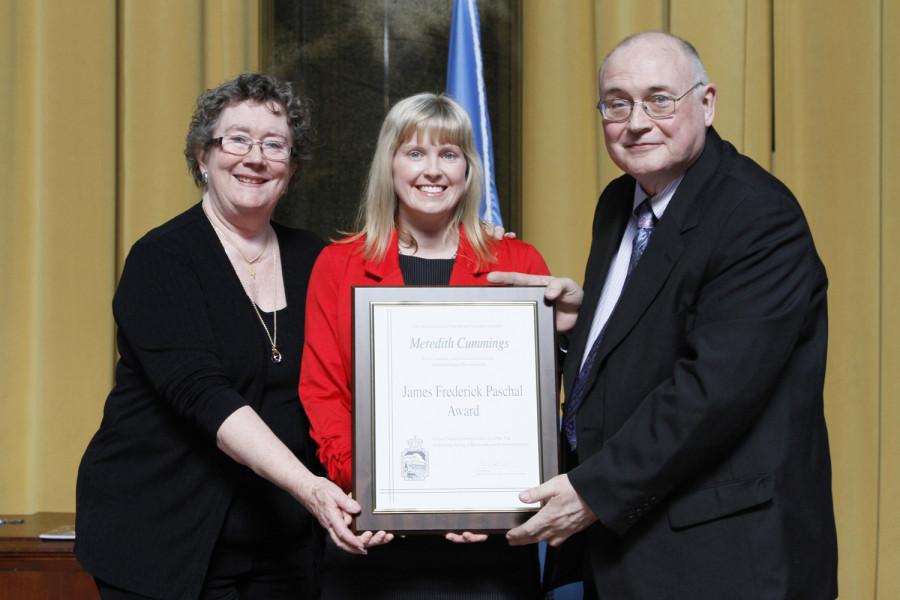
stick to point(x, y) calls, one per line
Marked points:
point(32, 568)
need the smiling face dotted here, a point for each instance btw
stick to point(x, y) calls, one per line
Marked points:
point(242, 185)
point(656, 151)
point(429, 181)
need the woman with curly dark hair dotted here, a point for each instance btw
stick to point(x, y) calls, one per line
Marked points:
point(197, 484)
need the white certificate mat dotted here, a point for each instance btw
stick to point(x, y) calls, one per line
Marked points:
point(454, 400)
point(455, 405)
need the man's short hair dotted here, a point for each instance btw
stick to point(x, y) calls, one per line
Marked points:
point(686, 47)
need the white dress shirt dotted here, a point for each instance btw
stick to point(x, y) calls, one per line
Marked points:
point(618, 271)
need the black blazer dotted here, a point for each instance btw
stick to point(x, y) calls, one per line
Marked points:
point(702, 445)
point(153, 489)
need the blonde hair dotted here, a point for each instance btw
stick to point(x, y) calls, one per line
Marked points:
point(446, 122)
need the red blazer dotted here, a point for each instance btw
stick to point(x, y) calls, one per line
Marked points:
point(325, 375)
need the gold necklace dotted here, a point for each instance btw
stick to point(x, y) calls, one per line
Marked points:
point(273, 337)
point(251, 262)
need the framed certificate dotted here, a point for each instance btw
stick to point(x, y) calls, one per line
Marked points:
point(454, 406)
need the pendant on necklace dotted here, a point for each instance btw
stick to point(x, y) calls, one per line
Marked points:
point(252, 271)
point(276, 355)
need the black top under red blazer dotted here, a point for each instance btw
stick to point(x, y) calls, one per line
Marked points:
point(153, 488)
point(702, 445)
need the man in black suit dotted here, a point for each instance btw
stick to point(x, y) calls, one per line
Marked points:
point(698, 462)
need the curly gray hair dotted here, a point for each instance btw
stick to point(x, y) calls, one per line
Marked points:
point(258, 87)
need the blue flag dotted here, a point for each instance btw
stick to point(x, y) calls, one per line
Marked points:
point(465, 84)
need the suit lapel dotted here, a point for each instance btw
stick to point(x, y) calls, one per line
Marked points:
point(613, 212)
point(387, 270)
point(466, 269)
point(662, 254)
point(644, 284)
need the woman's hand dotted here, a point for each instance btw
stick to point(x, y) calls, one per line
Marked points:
point(379, 538)
point(561, 291)
point(248, 440)
point(466, 537)
point(334, 510)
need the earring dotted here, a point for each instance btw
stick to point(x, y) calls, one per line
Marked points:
point(205, 177)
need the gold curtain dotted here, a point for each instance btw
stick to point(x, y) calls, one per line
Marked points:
point(169, 52)
point(834, 165)
point(559, 146)
point(887, 552)
point(803, 87)
point(57, 234)
point(96, 102)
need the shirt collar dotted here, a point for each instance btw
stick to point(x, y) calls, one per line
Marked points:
point(389, 266)
point(660, 201)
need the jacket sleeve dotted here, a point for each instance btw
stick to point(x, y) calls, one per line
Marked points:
point(523, 258)
point(762, 283)
point(324, 377)
point(164, 331)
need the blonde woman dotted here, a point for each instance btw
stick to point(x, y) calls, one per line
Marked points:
point(419, 225)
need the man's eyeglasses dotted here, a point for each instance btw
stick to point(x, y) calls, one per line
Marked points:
point(657, 106)
point(240, 145)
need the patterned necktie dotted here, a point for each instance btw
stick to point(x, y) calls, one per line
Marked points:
point(646, 221)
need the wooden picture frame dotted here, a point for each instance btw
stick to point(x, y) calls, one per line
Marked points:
point(455, 406)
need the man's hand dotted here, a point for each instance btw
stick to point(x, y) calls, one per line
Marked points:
point(498, 232)
point(562, 291)
point(562, 515)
